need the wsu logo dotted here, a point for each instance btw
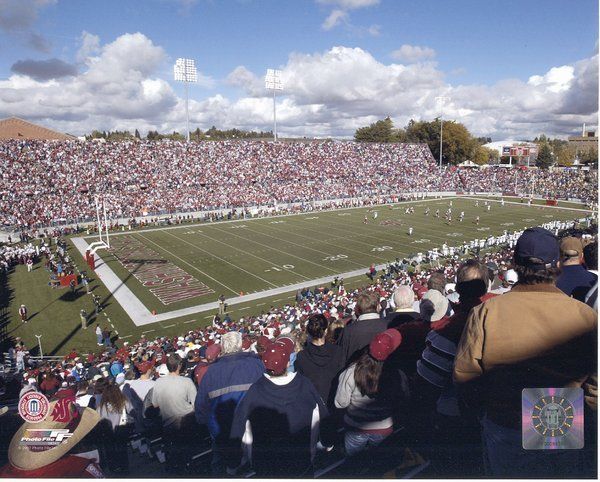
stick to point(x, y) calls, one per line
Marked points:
point(64, 411)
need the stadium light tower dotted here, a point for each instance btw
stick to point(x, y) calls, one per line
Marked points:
point(185, 71)
point(441, 100)
point(273, 82)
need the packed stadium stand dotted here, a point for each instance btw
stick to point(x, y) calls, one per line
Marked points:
point(418, 373)
point(46, 181)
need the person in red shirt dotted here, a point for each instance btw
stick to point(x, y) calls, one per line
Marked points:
point(212, 353)
point(49, 384)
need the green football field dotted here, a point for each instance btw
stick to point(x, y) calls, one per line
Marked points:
point(247, 255)
point(260, 254)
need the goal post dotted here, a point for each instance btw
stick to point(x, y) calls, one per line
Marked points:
point(103, 236)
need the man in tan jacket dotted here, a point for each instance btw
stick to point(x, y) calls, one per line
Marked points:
point(532, 337)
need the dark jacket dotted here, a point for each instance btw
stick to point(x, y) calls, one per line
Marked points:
point(575, 281)
point(321, 364)
point(282, 420)
point(358, 334)
point(223, 386)
point(397, 318)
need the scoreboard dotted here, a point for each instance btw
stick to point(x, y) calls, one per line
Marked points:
point(518, 151)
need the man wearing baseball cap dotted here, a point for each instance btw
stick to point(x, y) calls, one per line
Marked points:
point(277, 424)
point(574, 280)
point(531, 337)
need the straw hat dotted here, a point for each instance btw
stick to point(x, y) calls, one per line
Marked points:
point(22, 457)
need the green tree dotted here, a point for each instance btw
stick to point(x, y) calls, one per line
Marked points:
point(590, 156)
point(483, 155)
point(458, 144)
point(545, 157)
point(380, 131)
point(565, 155)
point(137, 134)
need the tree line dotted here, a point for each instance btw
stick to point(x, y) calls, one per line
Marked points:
point(197, 135)
point(459, 145)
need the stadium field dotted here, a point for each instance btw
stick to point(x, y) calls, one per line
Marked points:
point(177, 267)
point(215, 256)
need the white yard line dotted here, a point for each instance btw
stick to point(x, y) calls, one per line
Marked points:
point(219, 258)
point(525, 204)
point(275, 249)
point(140, 315)
point(270, 263)
point(189, 264)
point(276, 216)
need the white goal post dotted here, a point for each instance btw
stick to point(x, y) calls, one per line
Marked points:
point(101, 216)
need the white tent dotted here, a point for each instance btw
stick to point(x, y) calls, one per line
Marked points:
point(468, 164)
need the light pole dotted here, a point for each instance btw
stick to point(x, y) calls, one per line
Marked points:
point(40, 345)
point(441, 100)
point(185, 71)
point(273, 82)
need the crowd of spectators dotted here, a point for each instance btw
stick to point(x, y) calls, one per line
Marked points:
point(443, 351)
point(44, 182)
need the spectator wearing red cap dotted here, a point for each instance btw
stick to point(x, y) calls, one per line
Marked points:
point(277, 423)
point(358, 334)
point(223, 386)
point(371, 394)
point(210, 356)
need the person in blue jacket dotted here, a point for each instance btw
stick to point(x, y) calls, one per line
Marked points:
point(223, 386)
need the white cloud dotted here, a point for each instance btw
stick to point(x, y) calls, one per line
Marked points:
point(374, 30)
point(413, 53)
point(349, 4)
point(328, 93)
point(557, 79)
point(250, 83)
point(90, 46)
point(340, 16)
point(335, 18)
point(118, 84)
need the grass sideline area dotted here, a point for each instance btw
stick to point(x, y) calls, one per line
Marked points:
point(243, 258)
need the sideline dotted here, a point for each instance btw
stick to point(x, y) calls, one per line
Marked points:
point(141, 316)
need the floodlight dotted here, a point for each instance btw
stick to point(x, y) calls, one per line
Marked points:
point(441, 100)
point(185, 71)
point(273, 82)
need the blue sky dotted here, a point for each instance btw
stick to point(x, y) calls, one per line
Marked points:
point(511, 68)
